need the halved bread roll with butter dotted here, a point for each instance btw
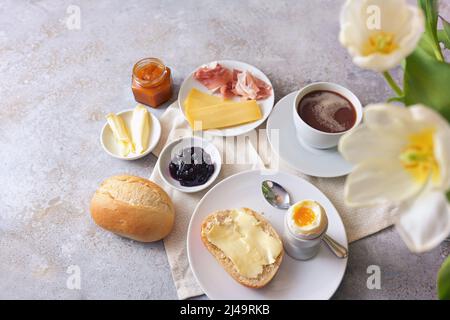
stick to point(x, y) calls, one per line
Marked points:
point(245, 244)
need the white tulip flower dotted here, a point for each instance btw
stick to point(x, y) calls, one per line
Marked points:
point(402, 156)
point(379, 34)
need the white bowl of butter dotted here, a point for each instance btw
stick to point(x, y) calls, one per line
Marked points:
point(140, 133)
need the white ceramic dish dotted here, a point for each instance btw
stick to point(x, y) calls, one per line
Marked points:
point(317, 278)
point(316, 138)
point(108, 141)
point(325, 163)
point(266, 105)
point(175, 147)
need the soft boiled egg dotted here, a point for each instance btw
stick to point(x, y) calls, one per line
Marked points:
point(307, 219)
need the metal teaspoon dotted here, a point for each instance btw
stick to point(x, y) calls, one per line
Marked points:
point(279, 198)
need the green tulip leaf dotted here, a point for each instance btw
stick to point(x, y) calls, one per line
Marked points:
point(448, 196)
point(444, 38)
point(426, 81)
point(443, 281)
point(444, 35)
point(426, 44)
point(430, 9)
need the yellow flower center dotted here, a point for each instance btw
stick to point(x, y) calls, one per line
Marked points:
point(418, 157)
point(380, 42)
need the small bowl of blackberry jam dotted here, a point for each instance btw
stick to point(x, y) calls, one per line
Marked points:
point(190, 164)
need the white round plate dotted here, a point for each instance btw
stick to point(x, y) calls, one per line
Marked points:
point(174, 148)
point(317, 278)
point(110, 146)
point(266, 105)
point(326, 163)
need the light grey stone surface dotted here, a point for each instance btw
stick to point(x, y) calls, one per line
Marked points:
point(56, 86)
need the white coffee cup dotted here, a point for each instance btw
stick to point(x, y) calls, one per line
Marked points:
point(314, 137)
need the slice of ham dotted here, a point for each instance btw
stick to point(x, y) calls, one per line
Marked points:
point(227, 91)
point(264, 91)
point(229, 83)
point(214, 77)
point(250, 87)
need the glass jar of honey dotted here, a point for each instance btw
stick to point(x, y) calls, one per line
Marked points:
point(151, 82)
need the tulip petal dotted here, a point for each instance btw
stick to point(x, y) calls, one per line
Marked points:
point(353, 26)
point(412, 30)
point(428, 116)
point(405, 22)
point(442, 154)
point(387, 116)
point(407, 35)
point(363, 144)
point(379, 62)
point(378, 182)
point(395, 15)
point(425, 223)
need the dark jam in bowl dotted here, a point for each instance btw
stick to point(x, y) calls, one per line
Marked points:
point(327, 111)
point(191, 167)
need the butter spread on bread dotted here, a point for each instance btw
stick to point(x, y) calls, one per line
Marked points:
point(248, 241)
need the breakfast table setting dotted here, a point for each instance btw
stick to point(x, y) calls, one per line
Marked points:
point(225, 151)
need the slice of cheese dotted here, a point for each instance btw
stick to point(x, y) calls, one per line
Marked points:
point(242, 239)
point(205, 111)
point(197, 99)
point(223, 115)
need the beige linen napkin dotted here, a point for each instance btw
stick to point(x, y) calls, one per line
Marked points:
point(358, 222)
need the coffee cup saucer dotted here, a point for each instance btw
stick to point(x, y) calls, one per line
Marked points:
point(326, 163)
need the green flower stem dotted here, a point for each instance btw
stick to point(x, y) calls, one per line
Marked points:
point(393, 84)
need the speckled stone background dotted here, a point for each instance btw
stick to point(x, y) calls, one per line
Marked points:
point(56, 86)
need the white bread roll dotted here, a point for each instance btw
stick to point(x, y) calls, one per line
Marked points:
point(134, 208)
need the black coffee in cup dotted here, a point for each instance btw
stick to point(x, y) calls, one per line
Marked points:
point(327, 111)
